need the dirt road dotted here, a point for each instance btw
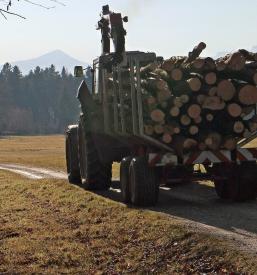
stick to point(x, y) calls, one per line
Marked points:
point(194, 205)
point(32, 172)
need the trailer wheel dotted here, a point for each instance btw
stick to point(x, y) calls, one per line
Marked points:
point(221, 187)
point(72, 161)
point(124, 179)
point(243, 184)
point(239, 183)
point(94, 174)
point(143, 183)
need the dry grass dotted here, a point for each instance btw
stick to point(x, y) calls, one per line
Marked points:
point(35, 151)
point(52, 227)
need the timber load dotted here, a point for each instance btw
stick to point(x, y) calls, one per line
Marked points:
point(198, 103)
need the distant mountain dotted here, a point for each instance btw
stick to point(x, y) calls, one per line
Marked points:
point(58, 58)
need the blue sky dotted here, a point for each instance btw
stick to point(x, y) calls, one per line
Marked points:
point(167, 27)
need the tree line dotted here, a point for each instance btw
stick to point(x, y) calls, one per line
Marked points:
point(42, 102)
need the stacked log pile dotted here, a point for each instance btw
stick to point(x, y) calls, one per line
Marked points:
point(196, 103)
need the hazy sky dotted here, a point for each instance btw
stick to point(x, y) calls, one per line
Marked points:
point(168, 27)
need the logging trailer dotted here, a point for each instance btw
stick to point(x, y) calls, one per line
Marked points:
point(108, 132)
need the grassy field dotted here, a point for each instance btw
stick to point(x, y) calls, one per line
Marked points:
point(52, 227)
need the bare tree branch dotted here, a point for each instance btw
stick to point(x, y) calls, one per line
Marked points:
point(12, 13)
point(9, 4)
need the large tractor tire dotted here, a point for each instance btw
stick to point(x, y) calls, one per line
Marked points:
point(94, 174)
point(239, 182)
point(72, 161)
point(125, 180)
point(144, 187)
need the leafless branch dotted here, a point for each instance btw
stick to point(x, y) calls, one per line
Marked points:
point(9, 4)
point(12, 13)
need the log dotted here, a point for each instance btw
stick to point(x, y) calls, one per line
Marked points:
point(177, 102)
point(148, 68)
point(201, 99)
point(209, 117)
point(184, 98)
point(247, 133)
point(249, 110)
point(154, 84)
point(246, 74)
point(194, 111)
point(185, 120)
point(213, 141)
point(234, 109)
point(175, 61)
point(193, 130)
point(198, 63)
point(230, 143)
point(213, 91)
point(210, 78)
point(238, 127)
point(195, 53)
point(190, 143)
point(194, 84)
point(174, 111)
point(247, 94)
point(162, 74)
point(157, 115)
point(158, 129)
point(151, 102)
point(226, 90)
point(213, 103)
point(163, 95)
point(249, 56)
point(167, 138)
point(169, 129)
point(198, 120)
point(220, 65)
point(235, 61)
point(176, 74)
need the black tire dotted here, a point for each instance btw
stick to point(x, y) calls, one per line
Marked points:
point(221, 188)
point(239, 183)
point(124, 179)
point(72, 161)
point(143, 183)
point(94, 174)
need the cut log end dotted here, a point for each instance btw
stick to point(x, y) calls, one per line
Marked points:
point(157, 115)
point(238, 127)
point(194, 111)
point(210, 78)
point(234, 110)
point(193, 130)
point(194, 84)
point(174, 111)
point(167, 138)
point(176, 74)
point(226, 90)
point(185, 120)
point(248, 95)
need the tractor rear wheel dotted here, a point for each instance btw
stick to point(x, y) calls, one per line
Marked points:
point(95, 175)
point(144, 187)
point(72, 161)
point(124, 179)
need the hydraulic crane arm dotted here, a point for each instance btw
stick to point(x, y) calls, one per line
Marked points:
point(111, 26)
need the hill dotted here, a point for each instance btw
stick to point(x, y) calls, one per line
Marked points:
point(58, 58)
